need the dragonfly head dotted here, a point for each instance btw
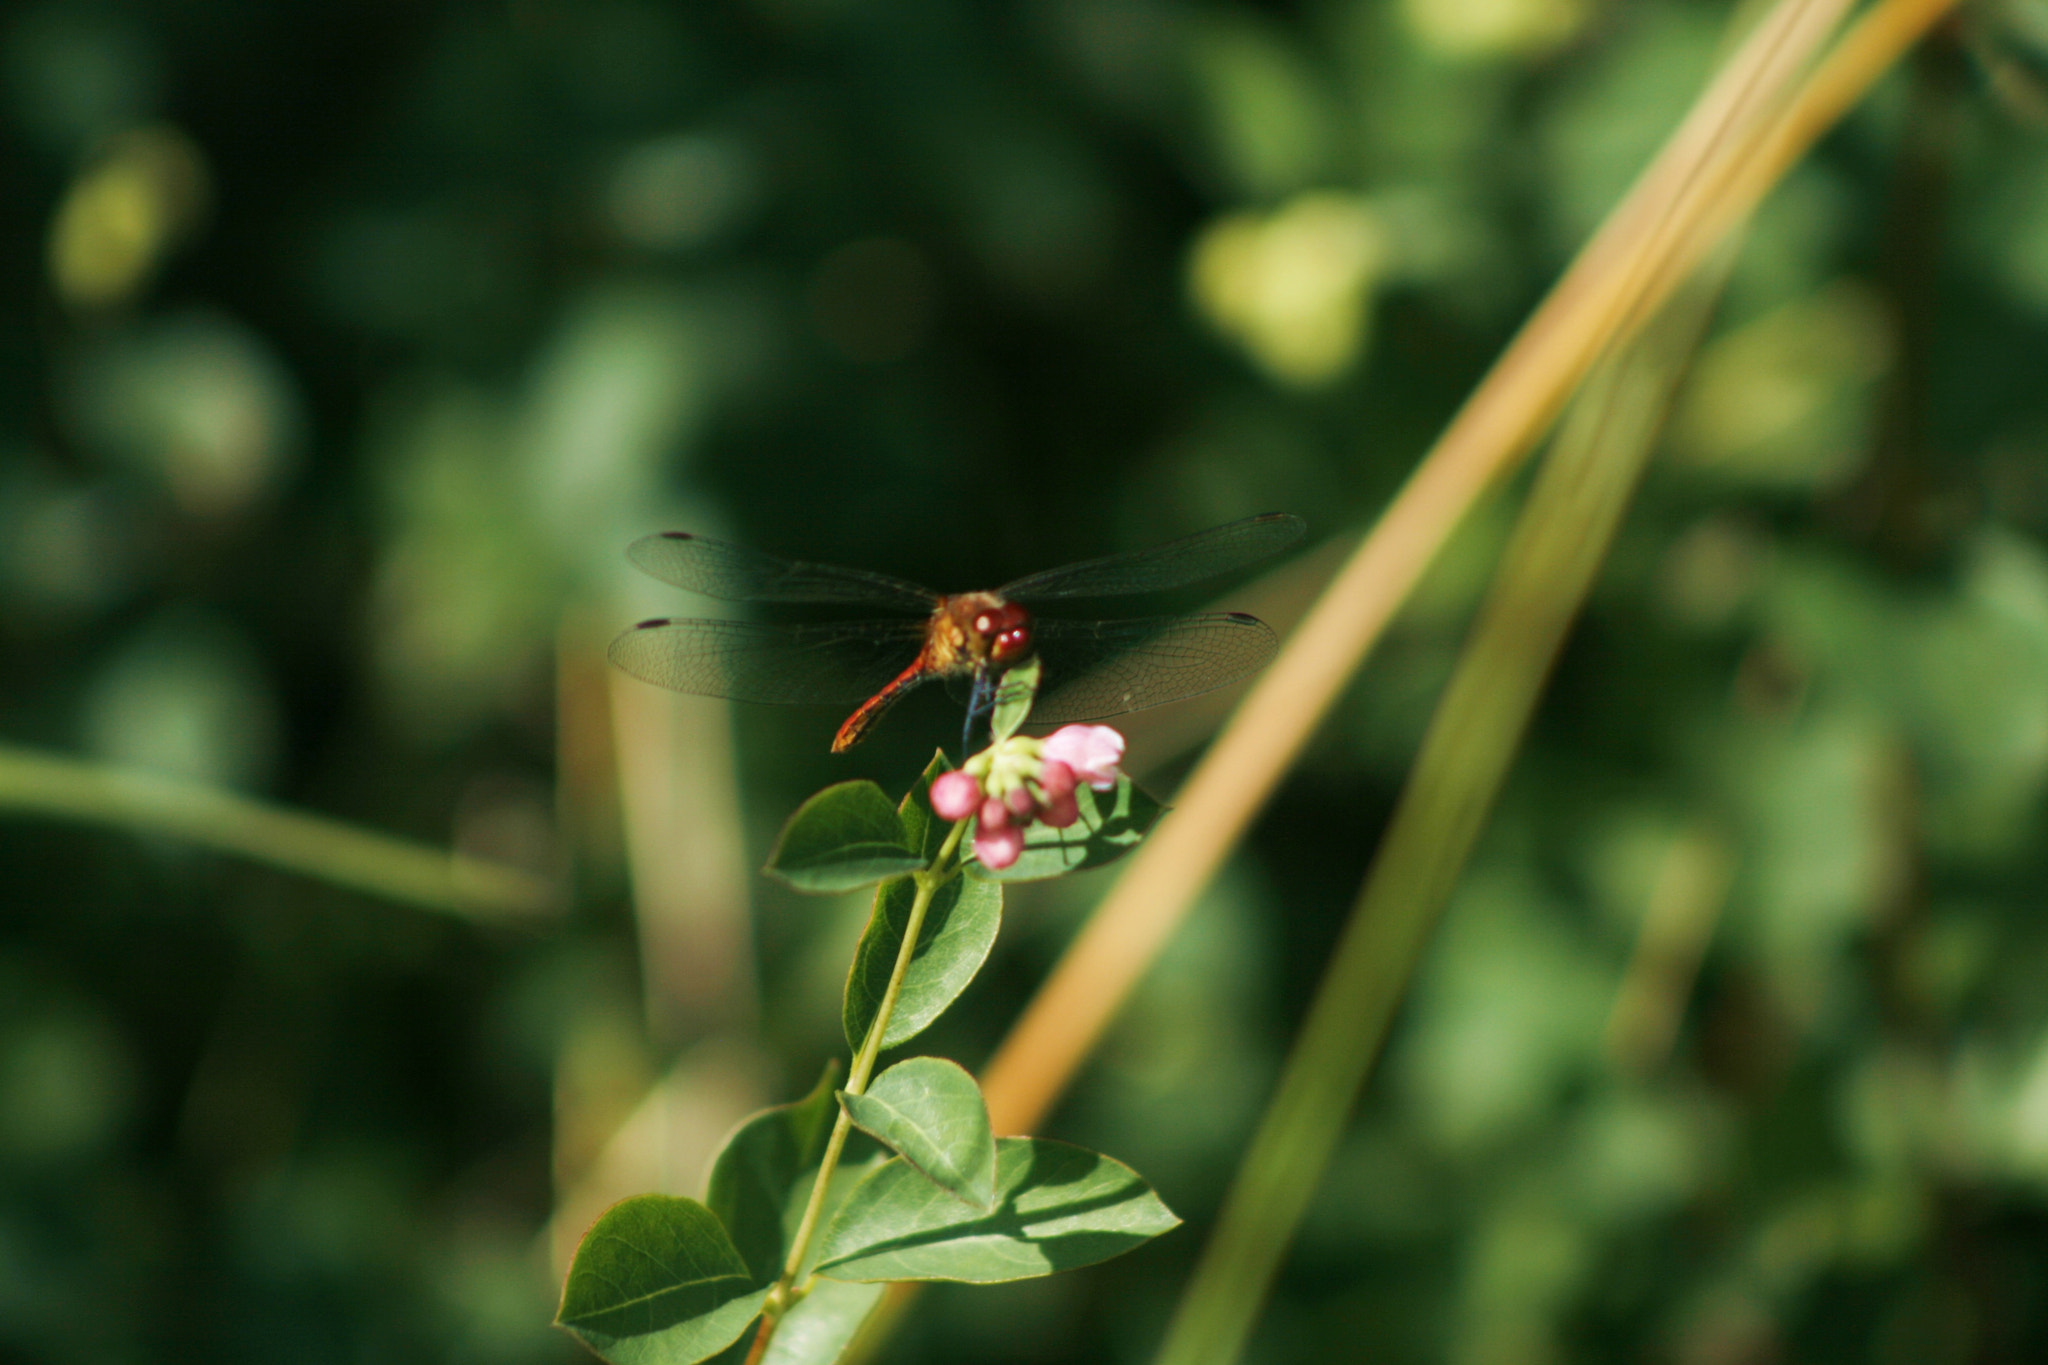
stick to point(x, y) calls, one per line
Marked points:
point(975, 630)
point(1002, 631)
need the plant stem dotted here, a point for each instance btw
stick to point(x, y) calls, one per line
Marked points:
point(147, 803)
point(928, 881)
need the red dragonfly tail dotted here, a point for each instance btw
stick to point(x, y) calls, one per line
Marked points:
point(857, 725)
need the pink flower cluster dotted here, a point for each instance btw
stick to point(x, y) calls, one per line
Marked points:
point(1009, 785)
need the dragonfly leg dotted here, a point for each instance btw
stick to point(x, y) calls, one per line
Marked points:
point(979, 700)
point(967, 723)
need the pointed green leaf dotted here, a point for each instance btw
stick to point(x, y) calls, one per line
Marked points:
point(737, 1353)
point(1015, 692)
point(754, 1173)
point(657, 1282)
point(959, 929)
point(931, 1113)
point(846, 836)
point(1057, 1207)
point(822, 1325)
point(1112, 823)
point(923, 831)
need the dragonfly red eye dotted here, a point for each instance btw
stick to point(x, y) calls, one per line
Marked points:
point(1011, 645)
point(1006, 632)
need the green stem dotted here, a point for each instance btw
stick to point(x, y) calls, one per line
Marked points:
point(396, 869)
point(928, 883)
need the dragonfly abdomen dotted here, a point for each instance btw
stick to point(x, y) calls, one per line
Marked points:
point(861, 721)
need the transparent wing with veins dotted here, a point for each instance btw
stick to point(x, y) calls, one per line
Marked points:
point(1097, 669)
point(1175, 564)
point(839, 663)
point(737, 574)
point(1094, 669)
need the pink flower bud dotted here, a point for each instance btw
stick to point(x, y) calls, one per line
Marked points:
point(1061, 811)
point(954, 796)
point(1055, 779)
point(1092, 751)
point(1021, 805)
point(994, 815)
point(998, 848)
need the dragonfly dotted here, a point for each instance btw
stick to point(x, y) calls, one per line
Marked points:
point(1092, 670)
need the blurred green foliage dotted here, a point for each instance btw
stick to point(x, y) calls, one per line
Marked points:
point(346, 347)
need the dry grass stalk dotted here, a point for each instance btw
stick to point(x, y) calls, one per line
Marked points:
point(1753, 121)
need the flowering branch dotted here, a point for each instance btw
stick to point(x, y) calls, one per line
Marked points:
point(682, 1280)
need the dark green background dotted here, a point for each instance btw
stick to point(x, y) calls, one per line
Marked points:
point(471, 294)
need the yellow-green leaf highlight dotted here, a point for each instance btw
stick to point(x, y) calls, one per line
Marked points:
point(1057, 1207)
point(930, 1112)
point(1013, 699)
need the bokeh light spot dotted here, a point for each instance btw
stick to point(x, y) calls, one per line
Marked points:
point(1292, 287)
point(124, 214)
point(1472, 29)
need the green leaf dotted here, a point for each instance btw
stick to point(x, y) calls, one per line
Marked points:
point(931, 1112)
point(959, 929)
point(846, 836)
point(1057, 1207)
point(923, 831)
point(1112, 823)
point(860, 1156)
point(737, 1353)
point(822, 1325)
point(657, 1282)
point(752, 1178)
point(1014, 695)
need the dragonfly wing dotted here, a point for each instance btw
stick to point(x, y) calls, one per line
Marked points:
point(1172, 565)
point(839, 663)
point(737, 574)
point(1096, 669)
